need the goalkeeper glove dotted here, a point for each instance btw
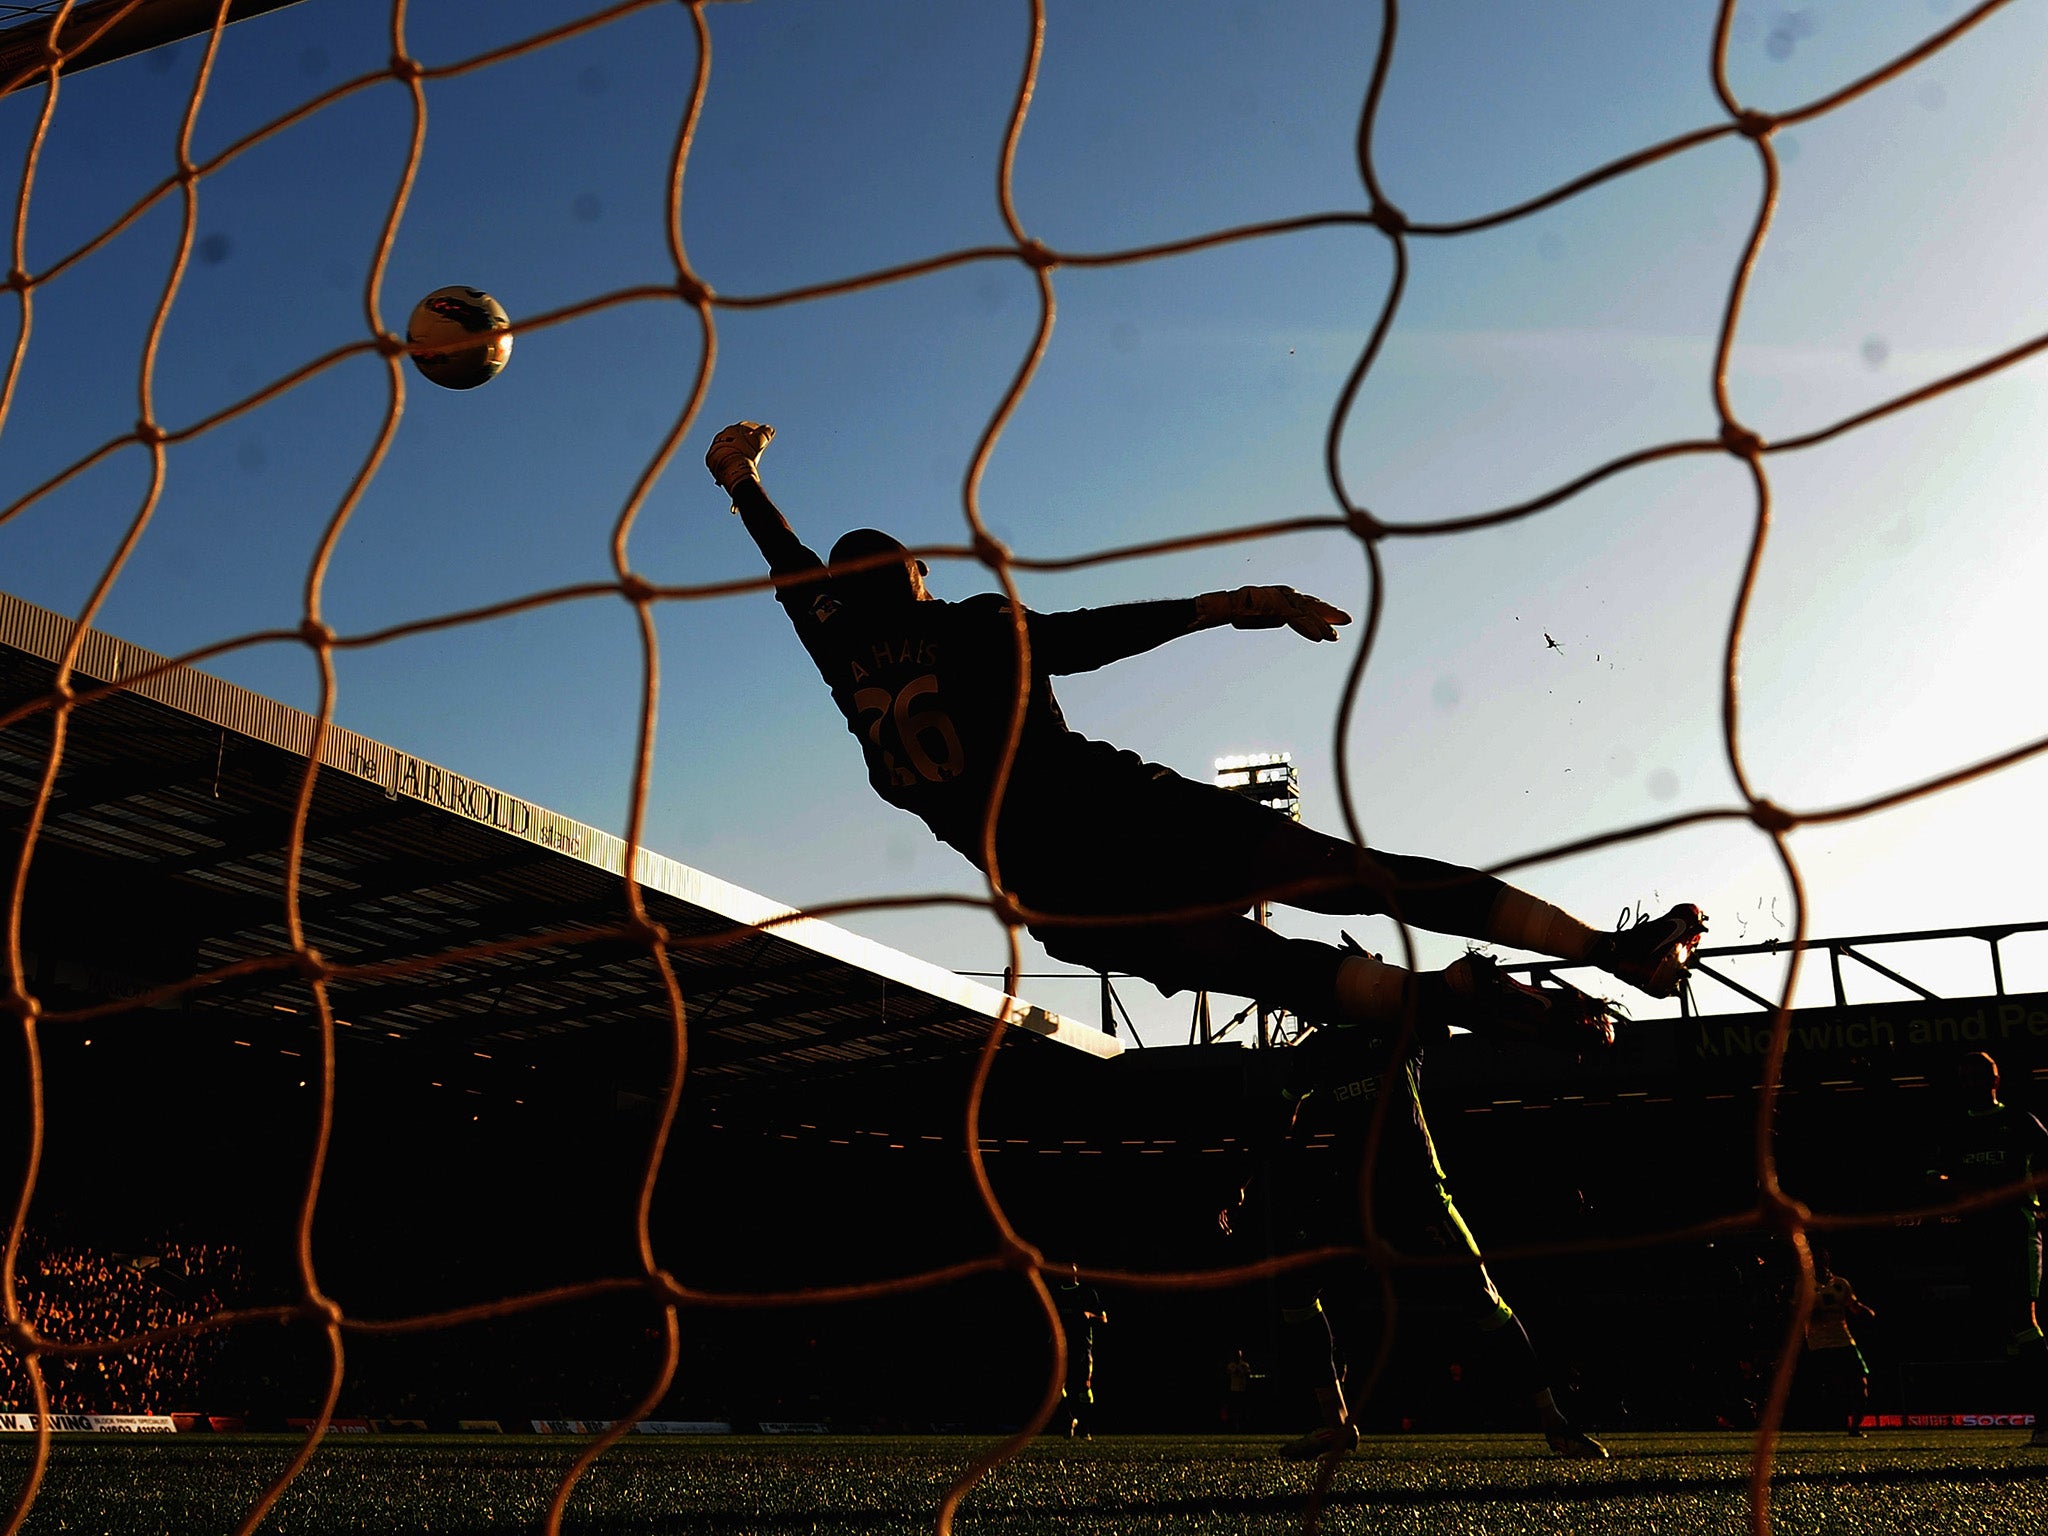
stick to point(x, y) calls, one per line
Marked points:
point(1269, 608)
point(734, 453)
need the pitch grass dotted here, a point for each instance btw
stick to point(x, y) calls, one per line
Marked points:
point(1910, 1483)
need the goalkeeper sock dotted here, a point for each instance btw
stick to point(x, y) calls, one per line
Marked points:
point(1369, 991)
point(1521, 921)
point(2030, 1349)
point(1308, 1355)
point(1331, 1405)
point(1503, 1352)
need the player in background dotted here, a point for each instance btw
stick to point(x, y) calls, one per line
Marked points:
point(1081, 1313)
point(1838, 1373)
point(1986, 1144)
point(927, 687)
point(1304, 1193)
point(1238, 1379)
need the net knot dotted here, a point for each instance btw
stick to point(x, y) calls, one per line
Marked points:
point(1020, 1255)
point(693, 292)
point(1381, 1255)
point(23, 1004)
point(1388, 219)
point(636, 589)
point(1770, 817)
point(389, 345)
point(1785, 1213)
point(1007, 910)
point(1740, 441)
point(310, 963)
point(654, 935)
point(1364, 524)
point(1037, 255)
point(316, 634)
point(150, 435)
point(18, 280)
point(1754, 124)
point(406, 69)
point(21, 1338)
point(991, 551)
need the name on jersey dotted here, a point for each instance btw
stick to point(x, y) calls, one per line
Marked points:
point(887, 654)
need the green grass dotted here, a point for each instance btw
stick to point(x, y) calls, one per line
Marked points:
point(1912, 1484)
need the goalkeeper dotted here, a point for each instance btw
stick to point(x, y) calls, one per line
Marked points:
point(927, 688)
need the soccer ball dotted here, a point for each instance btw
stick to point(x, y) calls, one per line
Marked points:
point(468, 332)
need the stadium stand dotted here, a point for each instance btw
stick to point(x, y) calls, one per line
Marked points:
point(492, 1107)
point(491, 1104)
point(176, 791)
point(76, 1293)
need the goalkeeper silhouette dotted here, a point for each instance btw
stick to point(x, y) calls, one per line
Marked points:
point(927, 687)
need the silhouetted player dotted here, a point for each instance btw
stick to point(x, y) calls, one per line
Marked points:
point(1303, 1193)
point(1089, 831)
point(1990, 1145)
point(1839, 1375)
point(1081, 1312)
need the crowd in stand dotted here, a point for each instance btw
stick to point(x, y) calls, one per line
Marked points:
point(75, 1294)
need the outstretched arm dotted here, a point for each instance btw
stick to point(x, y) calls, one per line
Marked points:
point(1086, 638)
point(1076, 641)
point(734, 462)
point(785, 552)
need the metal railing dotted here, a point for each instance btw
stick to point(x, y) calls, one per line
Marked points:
point(1851, 947)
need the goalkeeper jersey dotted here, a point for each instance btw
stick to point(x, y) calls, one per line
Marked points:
point(927, 689)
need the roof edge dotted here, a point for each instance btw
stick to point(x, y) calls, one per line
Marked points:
point(27, 627)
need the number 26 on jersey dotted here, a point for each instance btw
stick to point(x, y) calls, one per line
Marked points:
point(912, 724)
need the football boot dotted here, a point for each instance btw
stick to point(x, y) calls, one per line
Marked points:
point(1479, 996)
point(1652, 953)
point(1570, 1441)
point(1330, 1440)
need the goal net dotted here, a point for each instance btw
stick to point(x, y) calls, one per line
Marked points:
point(219, 445)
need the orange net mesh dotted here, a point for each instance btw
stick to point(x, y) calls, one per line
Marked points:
point(1011, 1251)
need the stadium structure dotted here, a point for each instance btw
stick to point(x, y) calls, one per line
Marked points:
point(467, 1087)
point(492, 1111)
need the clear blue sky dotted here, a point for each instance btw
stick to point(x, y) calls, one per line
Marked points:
point(1896, 620)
